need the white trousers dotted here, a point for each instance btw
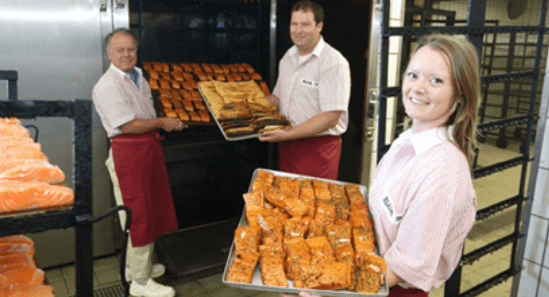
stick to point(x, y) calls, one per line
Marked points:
point(138, 259)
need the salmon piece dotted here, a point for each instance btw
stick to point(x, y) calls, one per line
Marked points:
point(15, 138)
point(26, 275)
point(15, 261)
point(8, 248)
point(13, 129)
point(20, 144)
point(30, 170)
point(20, 290)
point(17, 196)
point(22, 152)
point(10, 121)
point(18, 238)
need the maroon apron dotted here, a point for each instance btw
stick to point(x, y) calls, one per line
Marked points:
point(141, 169)
point(398, 291)
point(316, 156)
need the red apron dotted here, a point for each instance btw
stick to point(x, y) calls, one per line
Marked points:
point(316, 156)
point(398, 291)
point(141, 169)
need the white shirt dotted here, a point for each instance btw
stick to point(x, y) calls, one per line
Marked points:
point(320, 83)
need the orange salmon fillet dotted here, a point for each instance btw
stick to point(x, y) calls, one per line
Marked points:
point(17, 239)
point(10, 121)
point(16, 196)
point(15, 138)
point(30, 170)
point(26, 275)
point(13, 129)
point(7, 248)
point(19, 290)
point(22, 152)
point(15, 261)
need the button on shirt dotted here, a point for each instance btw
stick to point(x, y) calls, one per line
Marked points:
point(322, 82)
point(118, 100)
point(423, 205)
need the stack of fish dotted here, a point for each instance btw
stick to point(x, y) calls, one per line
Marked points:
point(19, 275)
point(27, 179)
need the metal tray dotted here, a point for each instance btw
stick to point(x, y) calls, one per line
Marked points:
point(257, 283)
point(228, 138)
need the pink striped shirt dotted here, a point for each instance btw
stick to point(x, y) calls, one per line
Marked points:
point(423, 205)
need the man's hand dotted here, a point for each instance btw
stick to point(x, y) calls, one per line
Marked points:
point(171, 124)
point(275, 136)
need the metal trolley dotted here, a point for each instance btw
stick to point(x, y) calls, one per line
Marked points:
point(80, 215)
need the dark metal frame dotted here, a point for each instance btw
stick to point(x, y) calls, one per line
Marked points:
point(475, 31)
point(11, 76)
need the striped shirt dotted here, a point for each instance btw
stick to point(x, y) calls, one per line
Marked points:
point(423, 205)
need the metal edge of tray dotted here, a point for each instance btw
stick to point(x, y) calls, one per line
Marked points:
point(228, 138)
point(384, 290)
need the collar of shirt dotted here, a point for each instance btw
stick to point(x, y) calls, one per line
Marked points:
point(126, 74)
point(316, 51)
point(424, 141)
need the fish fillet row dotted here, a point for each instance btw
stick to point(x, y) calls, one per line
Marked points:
point(19, 290)
point(17, 196)
point(30, 170)
point(24, 275)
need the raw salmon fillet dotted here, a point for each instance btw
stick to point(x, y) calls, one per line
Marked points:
point(26, 275)
point(22, 152)
point(19, 290)
point(15, 261)
point(18, 238)
point(17, 196)
point(7, 248)
point(30, 170)
point(20, 144)
point(13, 129)
point(10, 121)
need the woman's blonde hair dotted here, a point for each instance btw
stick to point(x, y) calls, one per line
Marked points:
point(464, 65)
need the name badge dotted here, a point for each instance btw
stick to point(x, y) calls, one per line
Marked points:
point(390, 209)
point(309, 83)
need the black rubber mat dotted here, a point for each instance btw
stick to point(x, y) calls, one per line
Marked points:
point(194, 249)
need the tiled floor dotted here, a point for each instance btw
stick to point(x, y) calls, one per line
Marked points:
point(490, 190)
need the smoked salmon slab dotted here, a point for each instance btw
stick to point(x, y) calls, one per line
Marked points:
point(17, 196)
point(30, 170)
point(17, 239)
point(7, 248)
point(25, 275)
point(15, 261)
point(19, 290)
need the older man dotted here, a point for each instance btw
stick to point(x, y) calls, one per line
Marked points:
point(136, 163)
point(313, 91)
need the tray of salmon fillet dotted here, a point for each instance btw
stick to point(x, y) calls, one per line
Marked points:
point(19, 273)
point(28, 181)
point(299, 233)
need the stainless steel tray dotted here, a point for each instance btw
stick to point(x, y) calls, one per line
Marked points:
point(257, 283)
point(228, 138)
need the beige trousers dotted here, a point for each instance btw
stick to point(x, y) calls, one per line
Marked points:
point(138, 259)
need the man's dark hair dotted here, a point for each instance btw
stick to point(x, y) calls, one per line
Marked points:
point(119, 30)
point(308, 5)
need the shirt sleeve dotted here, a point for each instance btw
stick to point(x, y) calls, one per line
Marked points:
point(109, 101)
point(427, 233)
point(335, 87)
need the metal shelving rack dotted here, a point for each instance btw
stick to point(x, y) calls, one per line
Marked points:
point(475, 30)
point(80, 215)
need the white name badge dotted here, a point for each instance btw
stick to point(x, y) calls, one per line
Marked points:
point(390, 209)
point(309, 83)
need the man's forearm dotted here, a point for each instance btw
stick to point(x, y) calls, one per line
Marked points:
point(316, 125)
point(139, 126)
